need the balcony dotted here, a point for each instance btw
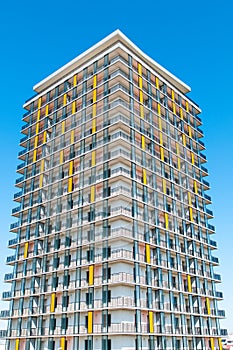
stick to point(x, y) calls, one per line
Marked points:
point(4, 314)
point(206, 183)
point(217, 277)
point(200, 131)
point(12, 242)
point(20, 166)
point(18, 194)
point(219, 294)
point(24, 127)
point(23, 139)
point(211, 227)
point(14, 226)
point(201, 143)
point(221, 313)
point(10, 259)
point(3, 333)
point(6, 295)
point(8, 277)
point(224, 332)
point(215, 260)
point(208, 198)
point(204, 169)
point(15, 210)
point(209, 212)
point(213, 243)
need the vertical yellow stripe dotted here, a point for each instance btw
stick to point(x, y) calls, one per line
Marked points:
point(184, 139)
point(25, 254)
point(220, 343)
point(181, 113)
point(187, 106)
point(39, 102)
point(61, 156)
point(166, 220)
point(94, 95)
point(157, 82)
point(41, 181)
point(141, 111)
point(192, 158)
point(93, 125)
point(191, 213)
point(73, 107)
point(144, 176)
point(46, 110)
point(62, 343)
point(139, 69)
point(63, 127)
point(151, 322)
point(72, 136)
point(36, 142)
point(212, 343)
point(92, 194)
point(189, 199)
point(90, 322)
point(160, 123)
point(91, 274)
point(162, 154)
point(178, 163)
point(38, 115)
point(17, 344)
point(164, 186)
point(94, 110)
point(75, 80)
point(34, 155)
point(143, 142)
point(189, 284)
point(64, 99)
point(148, 253)
point(173, 95)
point(159, 109)
point(44, 137)
point(195, 186)
point(93, 158)
point(71, 167)
point(208, 306)
point(37, 127)
point(174, 107)
point(177, 149)
point(52, 303)
point(94, 81)
point(161, 138)
point(190, 131)
point(70, 184)
point(140, 95)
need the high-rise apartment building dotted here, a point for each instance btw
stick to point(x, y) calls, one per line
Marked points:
point(113, 245)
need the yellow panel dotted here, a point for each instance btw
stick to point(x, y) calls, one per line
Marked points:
point(37, 128)
point(36, 142)
point(72, 136)
point(91, 274)
point(94, 95)
point(73, 107)
point(190, 131)
point(93, 158)
point(174, 107)
point(94, 81)
point(143, 142)
point(164, 186)
point(191, 213)
point(173, 95)
point(212, 343)
point(70, 184)
point(162, 153)
point(46, 110)
point(25, 254)
point(63, 127)
point(181, 113)
point(187, 106)
point(61, 156)
point(140, 82)
point(144, 176)
point(189, 198)
point(71, 167)
point(17, 344)
point(151, 322)
point(62, 343)
point(141, 111)
point(208, 305)
point(166, 220)
point(94, 110)
point(220, 343)
point(34, 155)
point(44, 137)
point(195, 186)
point(147, 253)
point(159, 109)
point(64, 99)
point(192, 158)
point(189, 284)
point(42, 165)
point(92, 194)
point(141, 96)
point(93, 125)
point(161, 138)
point(177, 149)
point(157, 82)
point(184, 139)
point(75, 80)
point(90, 319)
point(52, 303)
point(41, 181)
point(38, 115)
point(178, 163)
point(39, 102)
point(139, 69)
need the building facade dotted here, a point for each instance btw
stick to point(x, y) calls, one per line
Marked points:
point(113, 245)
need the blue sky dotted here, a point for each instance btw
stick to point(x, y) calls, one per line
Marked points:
point(191, 39)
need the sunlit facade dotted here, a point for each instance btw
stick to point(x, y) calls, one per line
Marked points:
point(113, 245)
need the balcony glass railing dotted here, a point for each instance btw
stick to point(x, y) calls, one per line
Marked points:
point(15, 210)
point(20, 179)
point(8, 276)
point(214, 259)
point(5, 313)
point(14, 225)
point(10, 258)
point(213, 243)
point(18, 194)
point(211, 227)
point(20, 166)
point(23, 139)
point(6, 295)
point(221, 313)
point(217, 277)
point(12, 241)
point(219, 294)
point(207, 197)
